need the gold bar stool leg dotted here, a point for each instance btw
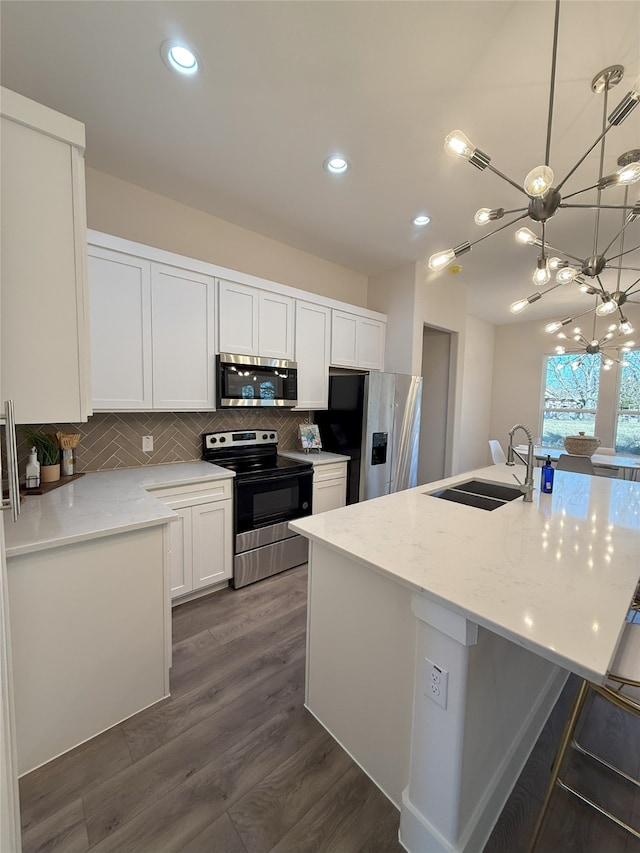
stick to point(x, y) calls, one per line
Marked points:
point(565, 741)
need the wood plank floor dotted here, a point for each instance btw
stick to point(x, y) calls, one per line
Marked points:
point(233, 763)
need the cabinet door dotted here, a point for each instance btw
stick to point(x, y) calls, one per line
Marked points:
point(211, 531)
point(313, 341)
point(237, 318)
point(43, 264)
point(120, 303)
point(182, 335)
point(275, 326)
point(344, 329)
point(181, 557)
point(370, 344)
point(329, 494)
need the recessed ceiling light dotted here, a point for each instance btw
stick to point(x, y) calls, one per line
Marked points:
point(178, 57)
point(422, 219)
point(336, 165)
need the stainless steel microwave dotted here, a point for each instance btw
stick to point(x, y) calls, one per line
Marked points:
point(246, 380)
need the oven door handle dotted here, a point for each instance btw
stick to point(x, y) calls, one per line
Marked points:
point(273, 475)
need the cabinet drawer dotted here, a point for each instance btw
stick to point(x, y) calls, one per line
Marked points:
point(191, 495)
point(332, 471)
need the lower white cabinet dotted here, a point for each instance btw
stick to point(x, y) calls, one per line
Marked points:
point(200, 539)
point(329, 486)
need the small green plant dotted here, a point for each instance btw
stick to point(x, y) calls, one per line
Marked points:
point(46, 445)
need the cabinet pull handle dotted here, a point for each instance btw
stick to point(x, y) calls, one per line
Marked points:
point(13, 501)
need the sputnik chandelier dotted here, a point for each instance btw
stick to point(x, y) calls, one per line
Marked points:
point(609, 347)
point(545, 200)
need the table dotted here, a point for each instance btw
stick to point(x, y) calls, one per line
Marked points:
point(629, 465)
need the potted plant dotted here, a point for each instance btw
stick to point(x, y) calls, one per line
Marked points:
point(48, 452)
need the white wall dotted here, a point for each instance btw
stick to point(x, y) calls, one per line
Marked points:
point(518, 376)
point(394, 294)
point(125, 210)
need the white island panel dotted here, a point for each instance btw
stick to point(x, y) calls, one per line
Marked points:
point(90, 636)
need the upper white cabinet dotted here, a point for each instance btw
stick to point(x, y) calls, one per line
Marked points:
point(357, 341)
point(313, 342)
point(254, 322)
point(43, 268)
point(152, 334)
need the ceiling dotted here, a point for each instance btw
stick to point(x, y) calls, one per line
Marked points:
point(285, 84)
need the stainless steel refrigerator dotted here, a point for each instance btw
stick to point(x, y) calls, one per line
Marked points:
point(374, 419)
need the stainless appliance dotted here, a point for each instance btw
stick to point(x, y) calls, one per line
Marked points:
point(249, 381)
point(374, 419)
point(269, 492)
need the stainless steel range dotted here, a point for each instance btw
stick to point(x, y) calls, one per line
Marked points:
point(269, 492)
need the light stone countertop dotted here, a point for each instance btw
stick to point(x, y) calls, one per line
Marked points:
point(100, 504)
point(316, 458)
point(555, 576)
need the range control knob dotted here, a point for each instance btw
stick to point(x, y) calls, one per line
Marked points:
point(273, 435)
point(265, 436)
point(222, 439)
point(212, 440)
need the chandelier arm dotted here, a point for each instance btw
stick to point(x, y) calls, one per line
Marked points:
point(621, 207)
point(501, 228)
point(581, 161)
point(552, 86)
point(506, 178)
point(596, 228)
point(601, 286)
point(619, 236)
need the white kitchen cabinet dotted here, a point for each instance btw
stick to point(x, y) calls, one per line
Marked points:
point(313, 343)
point(329, 486)
point(357, 341)
point(152, 334)
point(120, 302)
point(254, 322)
point(182, 329)
point(201, 537)
point(43, 266)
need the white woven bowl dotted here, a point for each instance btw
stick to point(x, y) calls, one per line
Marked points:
point(581, 444)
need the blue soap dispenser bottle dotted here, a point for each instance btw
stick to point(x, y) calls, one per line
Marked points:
point(547, 476)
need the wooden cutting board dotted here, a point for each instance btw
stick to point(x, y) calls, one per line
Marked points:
point(43, 488)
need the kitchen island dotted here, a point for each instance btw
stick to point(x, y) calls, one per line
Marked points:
point(440, 635)
point(89, 603)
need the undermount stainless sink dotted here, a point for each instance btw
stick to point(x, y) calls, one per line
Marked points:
point(481, 494)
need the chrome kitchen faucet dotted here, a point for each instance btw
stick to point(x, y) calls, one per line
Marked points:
point(527, 487)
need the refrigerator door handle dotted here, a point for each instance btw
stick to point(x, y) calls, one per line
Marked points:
point(13, 501)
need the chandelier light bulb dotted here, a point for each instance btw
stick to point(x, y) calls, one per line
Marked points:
point(555, 263)
point(612, 328)
point(550, 328)
point(594, 343)
point(577, 330)
point(458, 144)
point(629, 174)
point(607, 365)
point(538, 182)
point(526, 236)
point(562, 336)
point(577, 337)
point(482, 216)
point(626, 327)
point(630, 344)
point(606, 307)
point(608, 336)
point(518, 306)
point(542, 274)
point(566, 275)
point(560, 350)
point(441, 259)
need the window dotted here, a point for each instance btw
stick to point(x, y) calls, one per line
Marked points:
point(628, 410)
point(570, 397)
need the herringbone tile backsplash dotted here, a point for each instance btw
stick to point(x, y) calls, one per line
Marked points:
point(115, 440)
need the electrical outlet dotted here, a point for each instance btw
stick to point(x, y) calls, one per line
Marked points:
point(147, 443)
point(436, 682)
